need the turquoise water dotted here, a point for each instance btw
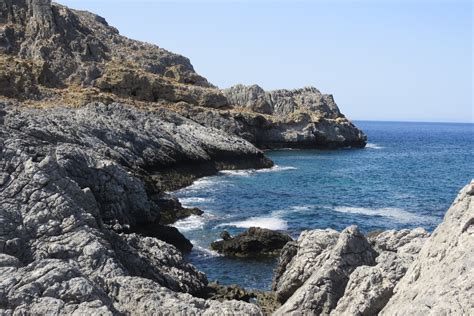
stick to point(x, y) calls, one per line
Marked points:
point(407, 176)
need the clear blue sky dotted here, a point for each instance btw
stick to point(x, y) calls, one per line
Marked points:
point(382, 60)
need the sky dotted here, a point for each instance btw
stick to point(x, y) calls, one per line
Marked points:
point(382, 60)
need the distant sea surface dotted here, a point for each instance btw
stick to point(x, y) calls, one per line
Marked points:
point(407, 176)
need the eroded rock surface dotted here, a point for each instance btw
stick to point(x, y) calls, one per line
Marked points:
point(441, 279)
point(45, 46)
point(300, 259)
point(370, 287)
point(320, 293)
point(72, 181)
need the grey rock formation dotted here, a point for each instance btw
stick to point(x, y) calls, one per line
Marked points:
point(302, 118)
point(69, 178)
point(298, 261)
point(320, 293)
point(283, 103)
point(440, 281)
point(44, 45)
point(370, 287)
point(253, 242)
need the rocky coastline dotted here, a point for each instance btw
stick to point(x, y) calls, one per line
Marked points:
point(96, 129)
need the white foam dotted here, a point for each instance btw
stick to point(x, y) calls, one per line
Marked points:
point(188, 201)
point(273, 223)
point(193, 222)
point(244, 173)
point(277, 168)
point(397, 214)
point(373, 146)
point(248, 172)
point(204, 251)
point(293, 209)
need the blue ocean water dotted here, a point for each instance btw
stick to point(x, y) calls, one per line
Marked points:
point(407, 176)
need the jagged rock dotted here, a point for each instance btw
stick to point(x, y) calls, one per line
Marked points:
point(321, 291)
point(370, 287)
point(298, 261)
point(45, 46)
point(300, 129)
point(253, 242)
point(69, 178)
point(440, 281)
point(140, 296)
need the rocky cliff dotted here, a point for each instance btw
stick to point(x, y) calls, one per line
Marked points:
point(51, 55)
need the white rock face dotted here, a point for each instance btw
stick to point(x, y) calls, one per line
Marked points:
point(305, 261)
point(441, 279)
point(370, 288)
point(321, 291)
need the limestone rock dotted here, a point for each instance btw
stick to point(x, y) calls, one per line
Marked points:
point(298, 261)
point(370, 287)
point(320, 293)
point(440, 281)
point(253, 242)
point(69, 180)
point(45, 46)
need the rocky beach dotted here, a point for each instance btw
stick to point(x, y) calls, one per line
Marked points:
point(97, 130)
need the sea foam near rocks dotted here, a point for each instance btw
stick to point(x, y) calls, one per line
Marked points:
point(273, 223)
point(398, 214)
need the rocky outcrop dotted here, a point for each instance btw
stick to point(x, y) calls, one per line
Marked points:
point(45, 46)
point(440, 281)
point(302, 118)
point(370, 287)
point(80, 196)
point(320, 293)
point(300, 259)
point(253, 242)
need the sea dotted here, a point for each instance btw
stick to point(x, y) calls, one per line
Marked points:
point(407, 176)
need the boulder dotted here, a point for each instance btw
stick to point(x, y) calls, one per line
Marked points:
point(300, 259)
point(319, 294)
point(253, 242)
point(370, 287)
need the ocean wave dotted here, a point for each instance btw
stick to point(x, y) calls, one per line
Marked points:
point(243, 173)
point(397, 214)
point(274, 223)
point(373, 146)
point(248, 172)
point(204, 251)
point(293, 209)
point(188, 201)
point(193, 222)
point(276, 168)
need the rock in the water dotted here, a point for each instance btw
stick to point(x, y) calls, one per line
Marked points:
point(253, 242)
point(441, 279)
point(320, 293)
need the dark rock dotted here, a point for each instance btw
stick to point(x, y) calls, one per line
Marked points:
point(168, 234)
point(225, 235)
point(253, 242)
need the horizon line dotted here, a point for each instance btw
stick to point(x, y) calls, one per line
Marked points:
point(401, 121)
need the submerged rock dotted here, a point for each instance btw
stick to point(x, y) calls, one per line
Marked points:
point(253, 242)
